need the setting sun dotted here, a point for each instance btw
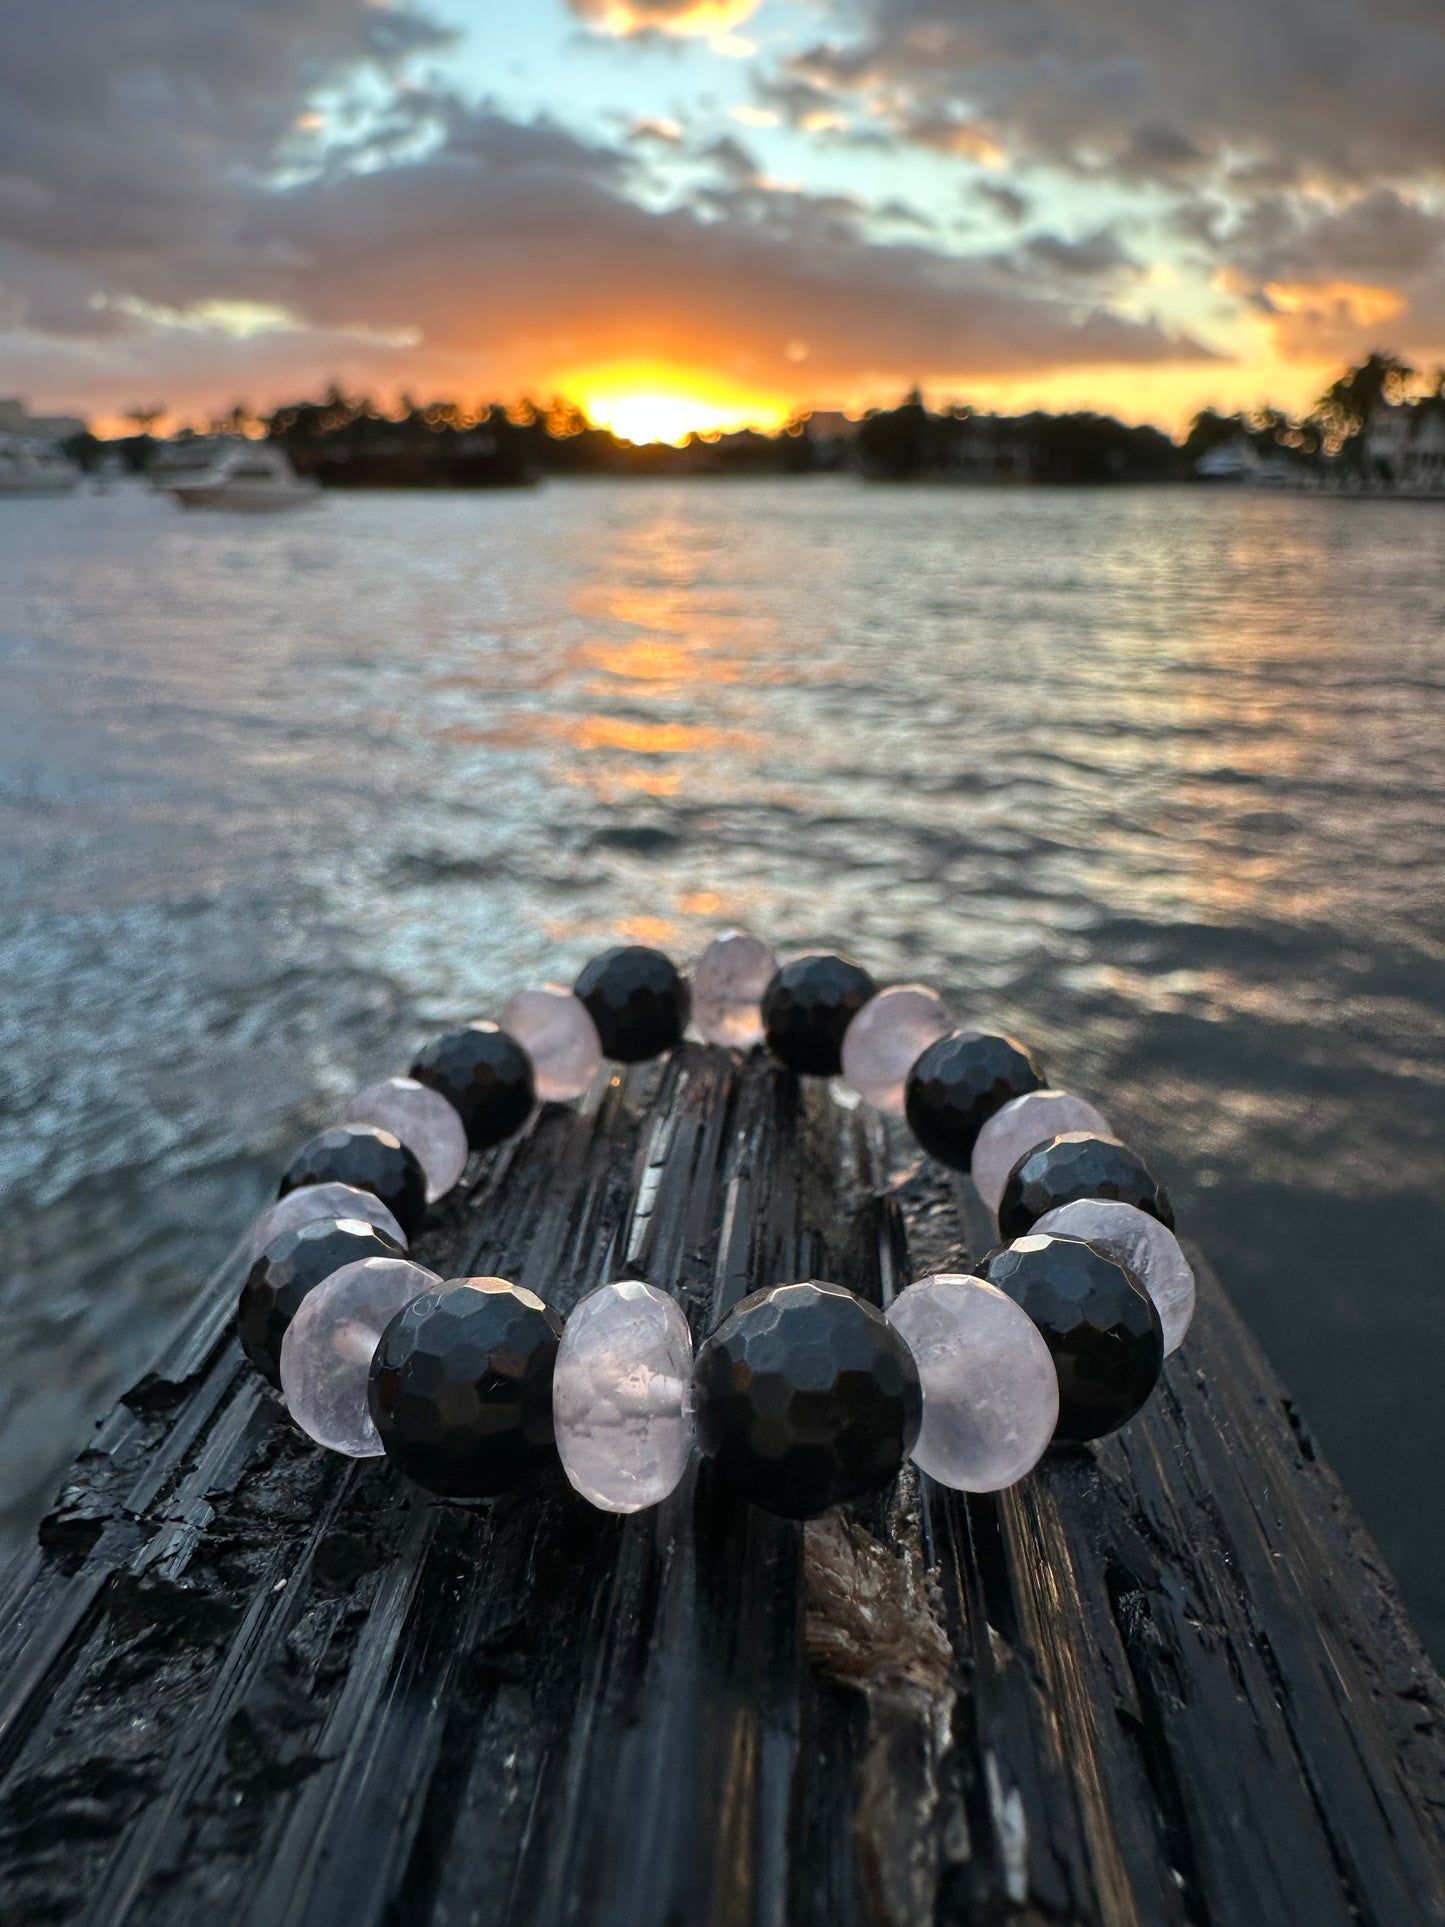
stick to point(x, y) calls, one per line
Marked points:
point(648, 406)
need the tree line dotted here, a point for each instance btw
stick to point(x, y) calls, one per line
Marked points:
point(351, 439)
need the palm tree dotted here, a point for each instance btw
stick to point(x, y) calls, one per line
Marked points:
point(1347, 404)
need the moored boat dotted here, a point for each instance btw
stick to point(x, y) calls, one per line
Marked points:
point(252, 477)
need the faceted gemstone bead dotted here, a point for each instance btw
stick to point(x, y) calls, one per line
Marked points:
point(990, 1391)
point(373, 1160)
point(426, 1123)
point(727, 989)
point(556, 1031)
point(1142, 1245)
point(289, 1267)
point(461, 1387)
point(806, 1397)
point(887, 1038)
point(638, 1001)
point(1078, 1164)
point(485, 1075)
point(956, 1086)
point(1024, 1122)
point(327, 1351)
point(1098, 1322)
point(808, 1007)
point(315, 1201)
point(622, 1396)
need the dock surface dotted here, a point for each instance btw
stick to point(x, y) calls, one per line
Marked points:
point(1164, 1680)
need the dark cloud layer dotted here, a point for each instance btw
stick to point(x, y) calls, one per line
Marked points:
point(1300, 142)
point(1351, 88)
point(521, 242)
point(163, 189)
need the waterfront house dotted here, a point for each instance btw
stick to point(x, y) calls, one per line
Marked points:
point(17, 421)
point(1404, 446)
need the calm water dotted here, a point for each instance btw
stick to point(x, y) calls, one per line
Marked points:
point(1153, 778)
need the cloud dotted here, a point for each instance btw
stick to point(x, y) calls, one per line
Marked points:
point(665, 133)
point(1381, 235)
point(951, 134)
point(731, 158)
point(629, 18)
point(131, 129)
point(1350, 89)
point(530, 258)
point(793, 98)
point(1333, 281)
point(1097, 257)
point(1004, 200)
point(1295, 151)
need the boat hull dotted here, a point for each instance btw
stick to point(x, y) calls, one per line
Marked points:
point(249, 501)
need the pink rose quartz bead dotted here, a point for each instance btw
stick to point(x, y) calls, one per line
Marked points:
point(1018, 1127)
point(424, 1121)
point(311, 1202)
point(621, 1396)
point(727, 989)
point(887, 1038)
point(990, 1390)
point(1139, 1242)
point(556, 1031)
point(327, 1351)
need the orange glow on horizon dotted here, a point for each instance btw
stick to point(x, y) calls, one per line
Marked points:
point(1286, 357)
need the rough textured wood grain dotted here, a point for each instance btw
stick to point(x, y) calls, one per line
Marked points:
point(1164, 1681)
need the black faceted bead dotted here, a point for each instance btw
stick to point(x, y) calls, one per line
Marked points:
point(1078, 1165)
point(1097, 1320)
point(957, 1085)
point(485, 1075)
point(806, 1397)
point(371, 1159)
point(638, 1000)
point(287, 1269)
point(807, 1008)
point(461, 1387)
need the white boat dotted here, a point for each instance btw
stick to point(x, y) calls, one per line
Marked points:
point(186, 459)
point(255, 476)
point(1240, 461)
point(35, 468)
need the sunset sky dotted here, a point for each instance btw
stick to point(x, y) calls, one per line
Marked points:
point(695, 212)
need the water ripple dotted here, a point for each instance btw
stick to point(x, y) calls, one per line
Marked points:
point(1153, 777)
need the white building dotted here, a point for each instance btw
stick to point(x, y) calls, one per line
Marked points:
point(1405, 446)
point(16, 420)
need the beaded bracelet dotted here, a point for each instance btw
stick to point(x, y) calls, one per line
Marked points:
point(804, 1396)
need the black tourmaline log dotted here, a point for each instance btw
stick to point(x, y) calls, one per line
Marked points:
point(1165, 1681)
point(957, 1085)
point(485, 1075)
point(806, 1397)
point(638, 1000)
point(369, 1158)
point(1078, 1165)
point(461, 1388)
point(1098, 1322)
point(287, 1269)
point(808, 1007)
